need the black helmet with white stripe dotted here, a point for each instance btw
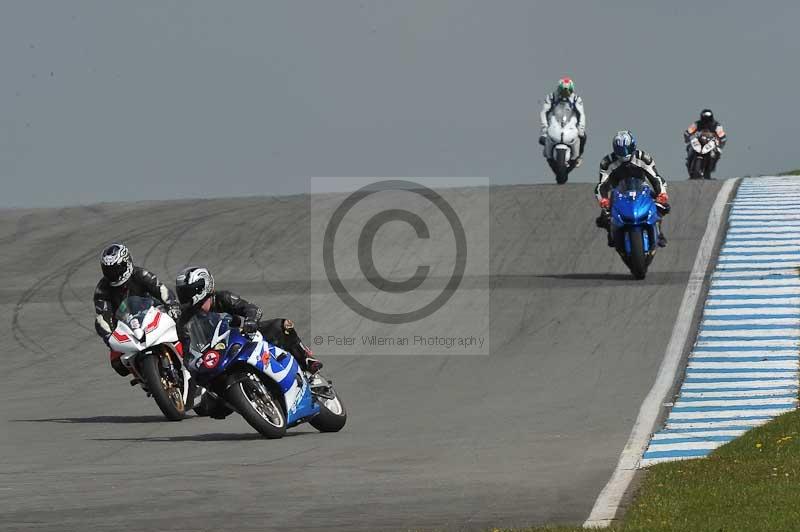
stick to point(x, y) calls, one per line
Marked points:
point(706, 117)
point(193, 285)
point(116, 264)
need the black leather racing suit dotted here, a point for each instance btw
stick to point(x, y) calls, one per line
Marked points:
point(279, 331)
point(107, 298)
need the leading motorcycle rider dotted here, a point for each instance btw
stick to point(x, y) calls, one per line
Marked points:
point(707, 122)
point(565, 91)
point(197, 293)
point(628, 161)
point(122, 279)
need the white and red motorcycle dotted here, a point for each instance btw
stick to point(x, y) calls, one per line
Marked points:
point(146, 343)
point(562, 142)
point(702, 153)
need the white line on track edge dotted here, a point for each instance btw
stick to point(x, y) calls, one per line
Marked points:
point(608, 502)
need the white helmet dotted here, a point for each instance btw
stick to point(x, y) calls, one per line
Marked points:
point(193, 285)
point(116, 264)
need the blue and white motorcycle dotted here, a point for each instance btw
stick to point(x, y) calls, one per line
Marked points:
point(257, 379)
point(634, 224)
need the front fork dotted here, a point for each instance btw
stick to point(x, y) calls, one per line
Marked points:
point(165, 355)
point(649, 236)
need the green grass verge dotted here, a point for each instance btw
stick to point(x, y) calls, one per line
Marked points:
point(750, 484)
point(791, 172)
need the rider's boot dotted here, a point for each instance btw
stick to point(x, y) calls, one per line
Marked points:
point(298, 349)
point(662, 240)
point(117, 364)
point(313, 365)
point(604, 220)
point(582, 148)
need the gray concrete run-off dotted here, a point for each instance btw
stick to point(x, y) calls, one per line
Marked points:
point(527, 435)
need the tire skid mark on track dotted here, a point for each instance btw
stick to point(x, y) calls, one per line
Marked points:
point(25, 340)
point(553, 276)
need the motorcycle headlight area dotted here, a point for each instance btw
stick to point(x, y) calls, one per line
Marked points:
point(709, 147)
point(696, 144)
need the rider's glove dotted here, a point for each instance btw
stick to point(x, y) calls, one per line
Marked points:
point(249, 326)
point(605, 203)
point(542, 140)
point(662, 198)
point(174, 312)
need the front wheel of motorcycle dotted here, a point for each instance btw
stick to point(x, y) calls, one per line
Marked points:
point(166, 390)
point(637, 260)
point(561, 167)
point(697, 168)
point(257, 404)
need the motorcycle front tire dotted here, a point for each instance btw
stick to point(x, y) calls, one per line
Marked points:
point(561, 167)
point(170, 404)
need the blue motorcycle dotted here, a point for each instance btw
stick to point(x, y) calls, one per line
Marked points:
point(634, 224)
point(257, 379)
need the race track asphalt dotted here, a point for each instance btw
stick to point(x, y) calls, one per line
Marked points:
point(528, 435)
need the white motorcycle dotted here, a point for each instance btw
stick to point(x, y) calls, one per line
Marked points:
point(147, 339)
point(562, 142)
point(704, 150)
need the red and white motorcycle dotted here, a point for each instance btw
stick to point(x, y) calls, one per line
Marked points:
point(145, 341)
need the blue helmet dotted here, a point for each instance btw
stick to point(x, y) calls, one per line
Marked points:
point(624, 144)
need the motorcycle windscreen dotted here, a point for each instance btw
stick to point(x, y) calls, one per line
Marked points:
point(563, 113)
point(209, 338)
point(201, 329)
point(133, 307)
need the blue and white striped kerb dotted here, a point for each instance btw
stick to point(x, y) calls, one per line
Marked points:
point(743, 370)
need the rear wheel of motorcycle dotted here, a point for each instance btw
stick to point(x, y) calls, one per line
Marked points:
point(257, 404)
point(562, 167)
point(637, 260)
point(332, 413)
point(164, 389)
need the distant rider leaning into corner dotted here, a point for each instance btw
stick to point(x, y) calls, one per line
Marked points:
point(121, 279)
point(565, 91)
point(197, 293)
point(707, 122)
point(624, 162)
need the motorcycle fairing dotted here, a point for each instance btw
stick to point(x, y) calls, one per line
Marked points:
point(273, 362)
point(635, 210)
point(562, 132)
point(142, 331)
point(280, 366)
